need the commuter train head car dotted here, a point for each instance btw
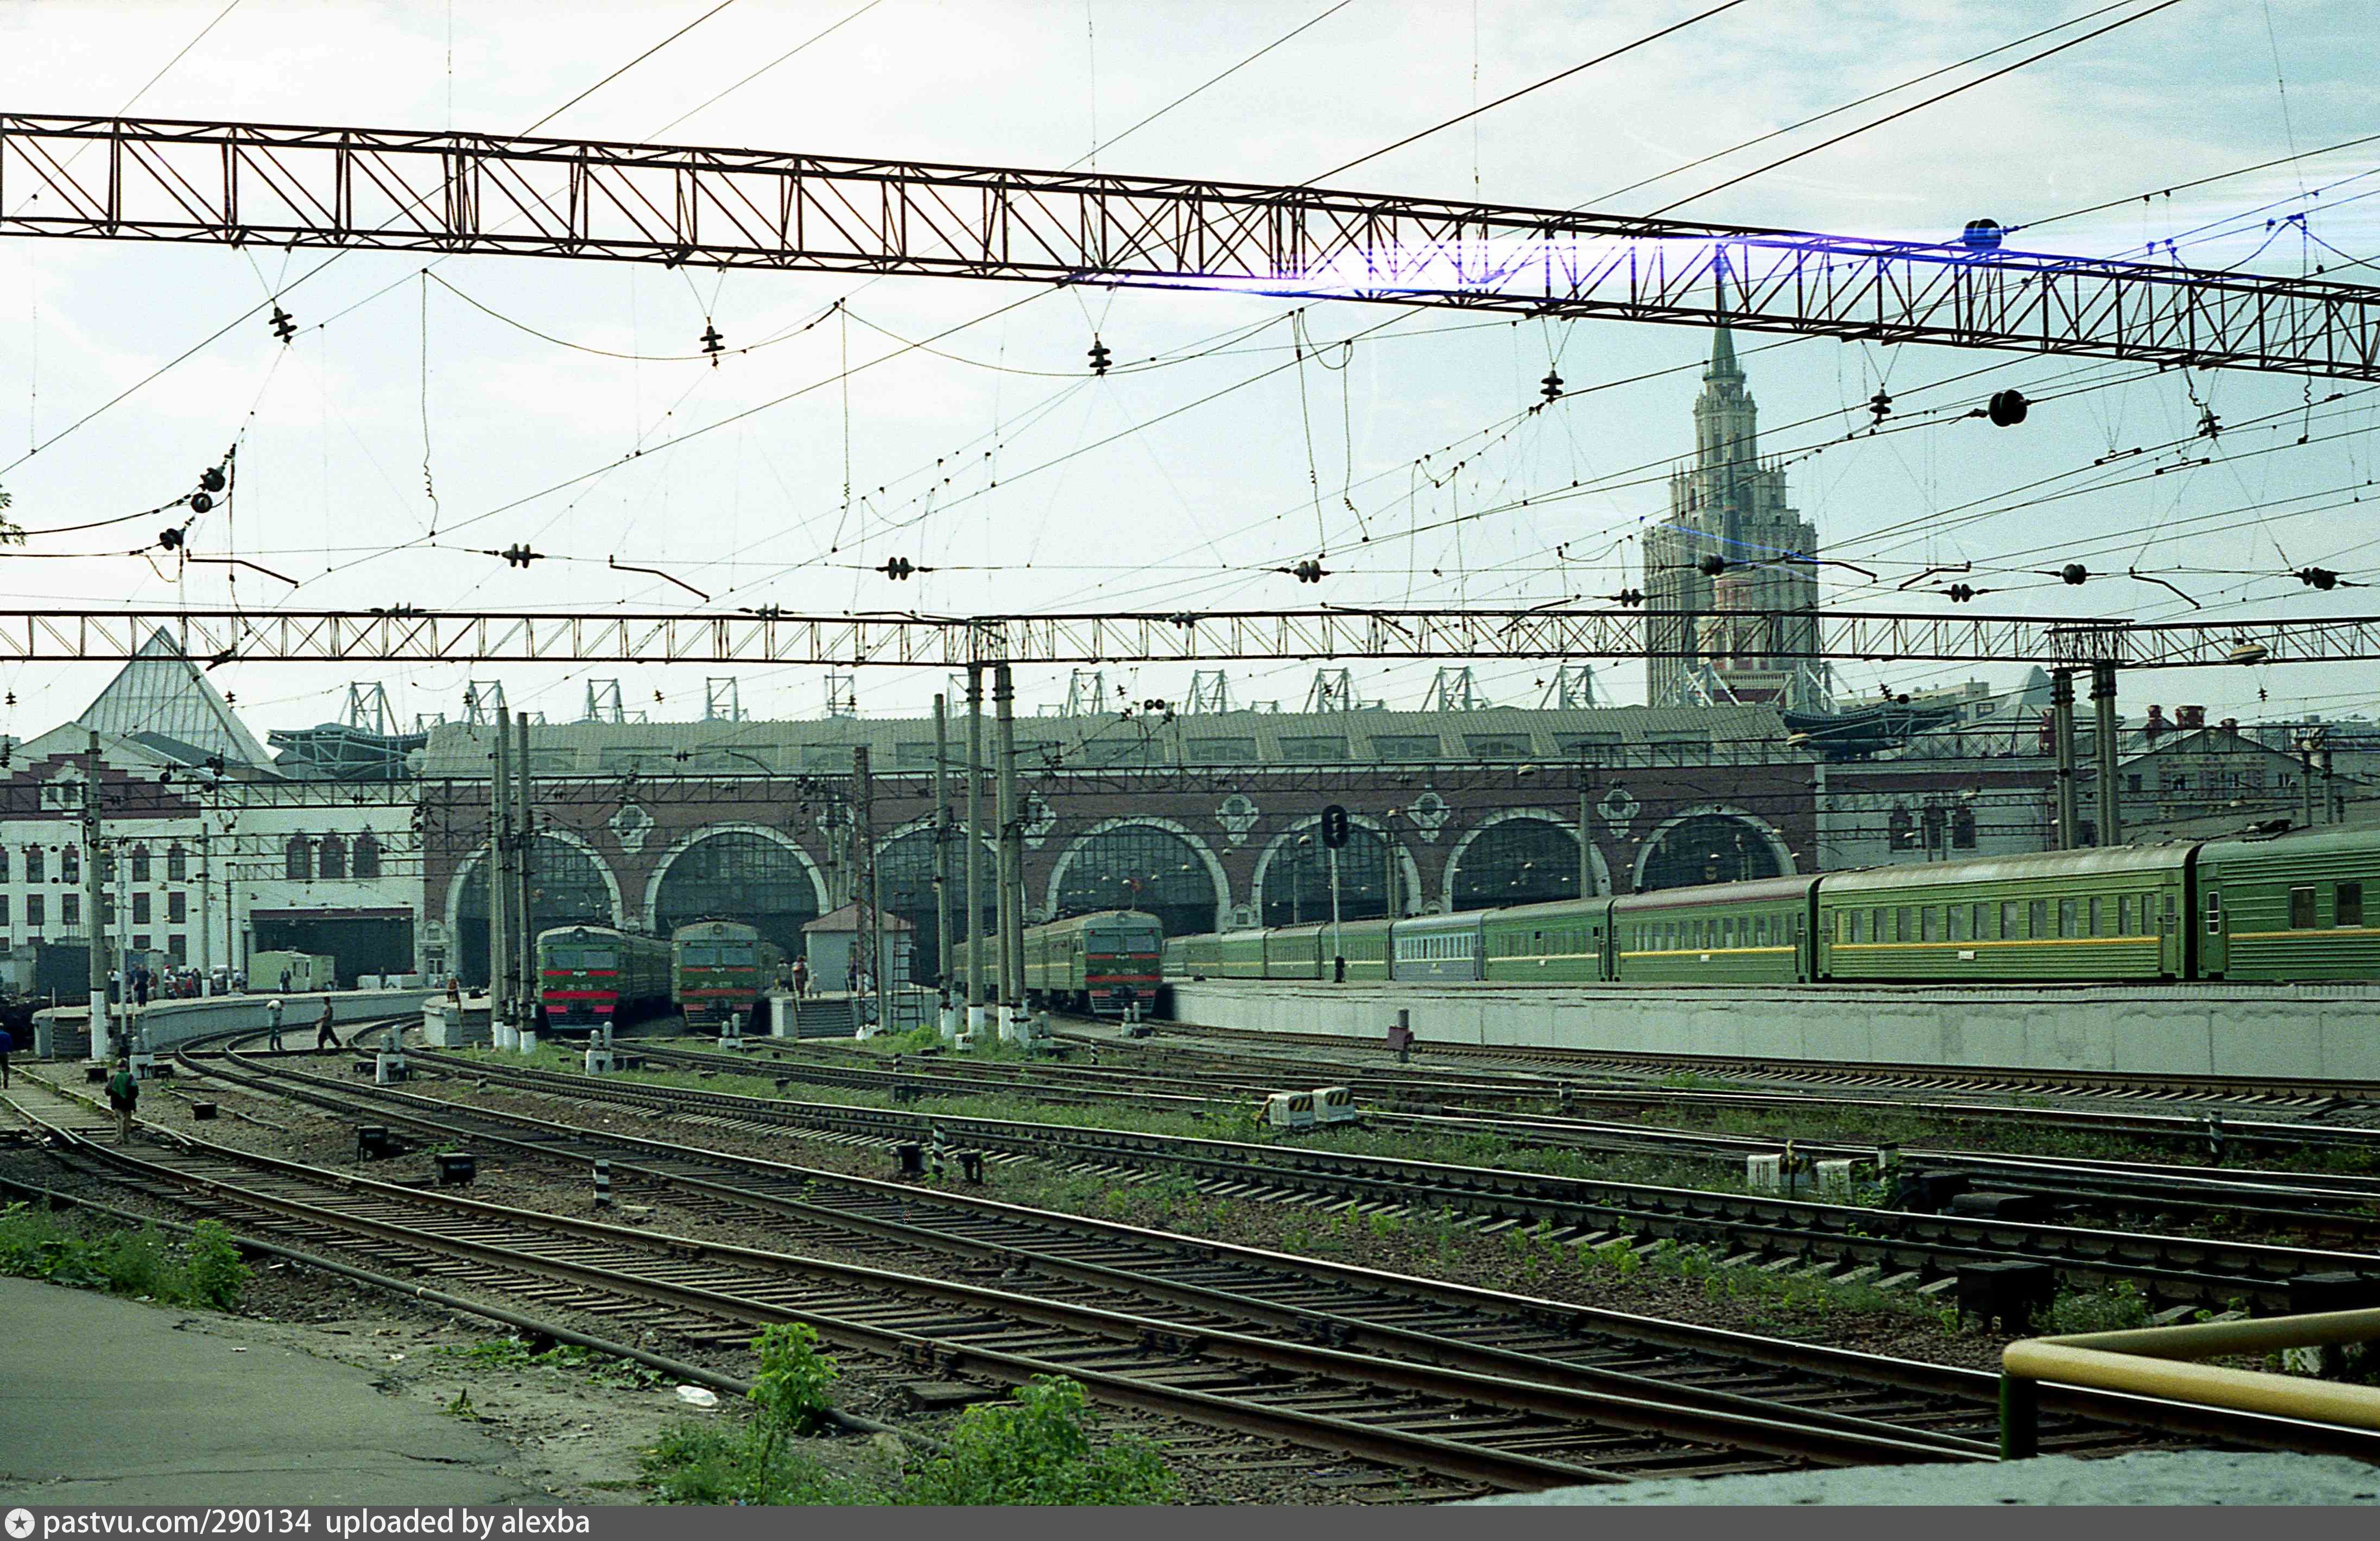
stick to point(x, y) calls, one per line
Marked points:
point(718, 970)
point(1103, 963)
point(599, 977)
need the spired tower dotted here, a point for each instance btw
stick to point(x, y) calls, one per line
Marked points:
point(1748, 632)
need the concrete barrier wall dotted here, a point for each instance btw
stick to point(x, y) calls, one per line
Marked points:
point(167, 1022)
point(2313, 1031)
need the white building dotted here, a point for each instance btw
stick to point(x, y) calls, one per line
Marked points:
point(207, 851)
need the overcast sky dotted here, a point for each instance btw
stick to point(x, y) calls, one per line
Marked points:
point(1093, 509)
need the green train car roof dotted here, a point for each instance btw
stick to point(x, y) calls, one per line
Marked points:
point(2323, 840)
point(1757, 891)
point(1098, 917)
point(714, 930)
point(2166, 858)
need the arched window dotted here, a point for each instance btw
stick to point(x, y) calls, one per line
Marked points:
point(367, 855)
point(297, 859)
point(1520, 861)
point(35, 864)
point(1900, 830)
point(1141, 867)
point(330, 860)
point(1709, 848)
point(177, 864)
point(904, 879)
point(140, 863)
point(568, 888)
point(738, 875)
point(1296, 881)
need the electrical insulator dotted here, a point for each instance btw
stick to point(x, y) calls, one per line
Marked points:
point(1550, 387)
point(1631, 598)
point(1309, 571)
point(1880, 404)
point(2209, 425)
point(1960, 592)
point(519, 556)
point(170, 538)
point(2006, 408)
point(2317, 578)
point(1981, 235)
point(1711, 566)
point(211, 480)
point(897, 568)
point(283, 327)
point(1099, 354)
point(2074, 572)
point(712, 340)
point(200, 502)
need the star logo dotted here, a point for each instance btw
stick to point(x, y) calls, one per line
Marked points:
point(21, 1523)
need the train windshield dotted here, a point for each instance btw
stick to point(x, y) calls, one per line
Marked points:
point(736, 953)
point(702, 955)
point(585, 957)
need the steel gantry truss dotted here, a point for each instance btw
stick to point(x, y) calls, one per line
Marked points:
point(354, 189)
point(215, 637)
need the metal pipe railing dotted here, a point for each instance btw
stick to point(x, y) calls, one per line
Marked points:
point(2164, 1362)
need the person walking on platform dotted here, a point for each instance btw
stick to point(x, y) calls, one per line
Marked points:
point(273, 1010)
point(801, 978)
point(323, 1038)
point(124, 1095)
point(7, 1045)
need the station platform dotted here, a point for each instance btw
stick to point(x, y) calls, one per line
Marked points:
point(2224, 1478)
point(167, 1022)
point(112, 1402)
point(2327, 1031)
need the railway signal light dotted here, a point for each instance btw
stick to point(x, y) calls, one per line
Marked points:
point(283, 326)
point(1334, 827)
point(1099, 354)
point(2006, 408)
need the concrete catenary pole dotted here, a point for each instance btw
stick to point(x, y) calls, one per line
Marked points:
point(867, 947)
point(974, 853)
point(500, 885)
point(524, 880)
point(1586, 847)
point(945, 973)
point(102, 1038)
point(2061, 730)
point(1011, 856)
point(2103, 751)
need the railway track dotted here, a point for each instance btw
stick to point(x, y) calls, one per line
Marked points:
point(1191, 1364)
point(1753, 1228)
point(2338, 1208)
point(1384, 1315)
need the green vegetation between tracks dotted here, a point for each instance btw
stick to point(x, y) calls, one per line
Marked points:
point(1041, 1447)
point(203, 1270)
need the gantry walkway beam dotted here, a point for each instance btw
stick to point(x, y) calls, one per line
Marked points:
point(376, 189)
point(221, 636)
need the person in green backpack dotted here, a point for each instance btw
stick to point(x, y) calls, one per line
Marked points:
point(124, 1095)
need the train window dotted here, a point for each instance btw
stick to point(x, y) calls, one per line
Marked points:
point(1928, 919)
point(2300, 908)
point(2010, 930)
point(2066, 917)
point(1760, 932)
point(2215, 910)
point(1981, 912)
point(2347, 904)
point(2127, 916)
point(2099, 921)
point(2037, 918)
point(1959, 930)
point(1901, 929)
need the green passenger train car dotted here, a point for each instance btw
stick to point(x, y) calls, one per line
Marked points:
point(1193, 957)
point(1240, 955)
point(2287, 907)
point(1101, 961)
point(2079, 915)
point(1294, 951)
point(1566, 942)
point(1754, 932)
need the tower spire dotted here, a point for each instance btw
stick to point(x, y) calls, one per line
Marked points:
point(1722, 361)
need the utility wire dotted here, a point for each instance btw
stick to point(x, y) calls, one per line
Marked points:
point(629, 65)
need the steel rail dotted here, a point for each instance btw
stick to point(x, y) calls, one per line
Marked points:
point(1089, 1335)
point(2173, 1267)
point(1145, 1251)
point(902, 1225)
